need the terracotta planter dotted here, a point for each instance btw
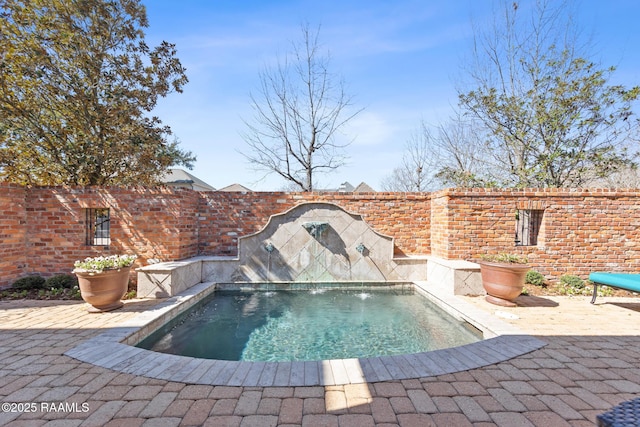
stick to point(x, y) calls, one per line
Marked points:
point(103, 290)
point(502, 281)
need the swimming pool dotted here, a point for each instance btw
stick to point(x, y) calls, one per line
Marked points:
point(114, 349)
point(305, 325)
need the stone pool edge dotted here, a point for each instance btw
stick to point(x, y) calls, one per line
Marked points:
point(112, 349)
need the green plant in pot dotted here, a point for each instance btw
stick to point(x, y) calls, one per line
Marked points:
point(503, 277)
point(103, 280)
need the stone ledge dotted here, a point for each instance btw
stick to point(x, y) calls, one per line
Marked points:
point(410, 258)
point(167, 279)
point(172, 265)
point(167, 266)
point(460, 276)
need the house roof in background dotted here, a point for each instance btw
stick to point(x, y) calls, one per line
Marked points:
point(347, 187)
point(363, 187)
point(180, 177)
point(236, 187)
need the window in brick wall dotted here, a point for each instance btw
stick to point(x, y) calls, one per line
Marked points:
point(98, 227)
point(528, 223)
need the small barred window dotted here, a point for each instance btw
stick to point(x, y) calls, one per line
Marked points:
point(528, 223)
point(98, 227)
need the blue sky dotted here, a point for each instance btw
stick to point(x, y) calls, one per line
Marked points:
point(400, 60)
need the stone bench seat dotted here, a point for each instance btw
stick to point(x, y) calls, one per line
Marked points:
point(166, 279)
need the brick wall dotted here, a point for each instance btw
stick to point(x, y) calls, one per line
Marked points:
point(582, 230)
point(440, 242)
point(152, 223)
point(13, 233)
point(42, 229)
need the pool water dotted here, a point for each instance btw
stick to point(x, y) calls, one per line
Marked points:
point(310, 325)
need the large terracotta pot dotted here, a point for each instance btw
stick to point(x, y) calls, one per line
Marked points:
point(503, 281)
point(103, 290)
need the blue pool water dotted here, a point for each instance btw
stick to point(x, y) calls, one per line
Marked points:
point(310, 325)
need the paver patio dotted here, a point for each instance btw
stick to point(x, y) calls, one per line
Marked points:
point(591, 362)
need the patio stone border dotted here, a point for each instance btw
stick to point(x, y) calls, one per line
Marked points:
point(114, 350)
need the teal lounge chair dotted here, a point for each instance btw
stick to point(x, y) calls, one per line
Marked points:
point(628, 282)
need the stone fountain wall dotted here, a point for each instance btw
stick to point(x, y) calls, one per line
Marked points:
point(315, 242)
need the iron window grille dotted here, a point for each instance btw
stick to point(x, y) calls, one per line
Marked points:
point(528, 223)
point(98, 227)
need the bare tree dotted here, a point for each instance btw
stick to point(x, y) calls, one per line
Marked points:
point(460, 155)
point(448, 157)
point(625, 178)
point(298, 112)
point(415, 173)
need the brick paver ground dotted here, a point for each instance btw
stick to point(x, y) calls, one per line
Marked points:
point(591, 363)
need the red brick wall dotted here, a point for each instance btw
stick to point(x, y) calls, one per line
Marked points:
point(582, 230)
point(440, 244)
point(13, 233)
point(152, 223)
point(42, 229)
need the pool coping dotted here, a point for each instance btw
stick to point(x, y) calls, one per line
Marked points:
point(113, 350)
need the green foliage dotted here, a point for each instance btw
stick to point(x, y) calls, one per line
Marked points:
point(29, 282)
point(550, 116)
point(605, 291)
point(572, 281)
point(77, 84)
point(98, 264)
point(573, 285)
point(534, 278)
point(61, 281)
point(55, 292)
point(505, 258)
point(51, 293)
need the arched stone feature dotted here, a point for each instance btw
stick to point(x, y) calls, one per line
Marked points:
point(316, 242)
point(308, 244)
